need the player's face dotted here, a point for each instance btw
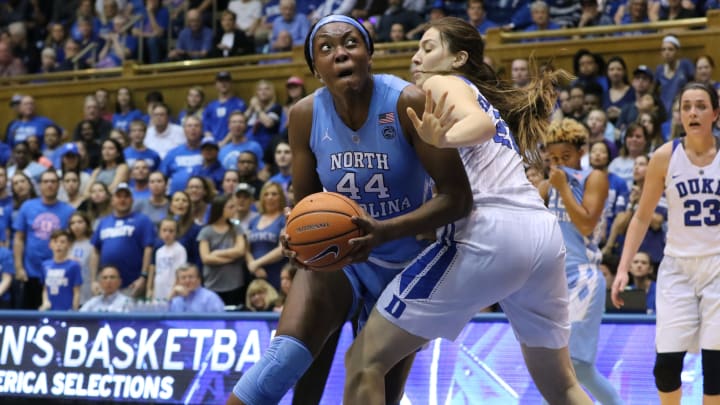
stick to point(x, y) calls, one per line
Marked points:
point(564, 154)
point(340, 56)
point(640, 266)
point(431, 56)
point(696, 112)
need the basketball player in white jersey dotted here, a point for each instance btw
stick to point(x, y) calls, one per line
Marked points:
point(687, 170)
point(510, 248)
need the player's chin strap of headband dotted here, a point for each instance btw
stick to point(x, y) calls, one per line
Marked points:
point(332, 19)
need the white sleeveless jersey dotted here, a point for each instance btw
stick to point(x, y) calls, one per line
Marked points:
point(495, 168)
point(693, 199)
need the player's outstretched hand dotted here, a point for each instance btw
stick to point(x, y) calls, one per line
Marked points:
point(621, 280)
point(374, 234)
point(436, 120)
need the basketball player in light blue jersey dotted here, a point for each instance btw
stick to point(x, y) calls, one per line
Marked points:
point(577, 197)
point(354, 137)
point(687, 297)
point(508, 250)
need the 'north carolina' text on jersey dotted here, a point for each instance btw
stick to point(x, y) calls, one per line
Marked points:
point(375, 165)
point(693, 199)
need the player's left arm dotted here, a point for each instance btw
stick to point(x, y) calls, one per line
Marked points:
point(586, 213)
point(453, 199)
point(471, 125)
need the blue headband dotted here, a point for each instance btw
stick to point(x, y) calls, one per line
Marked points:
point(332, 19)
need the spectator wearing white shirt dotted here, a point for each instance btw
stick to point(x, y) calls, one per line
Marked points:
point(248, 14)
point(168, 258)
point(111, 299)
point(163, 135)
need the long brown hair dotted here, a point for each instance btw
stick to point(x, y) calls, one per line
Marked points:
point(526, 110)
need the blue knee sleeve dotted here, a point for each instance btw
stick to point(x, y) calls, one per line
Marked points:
point(280, 367)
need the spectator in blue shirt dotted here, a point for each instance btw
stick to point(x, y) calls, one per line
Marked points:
point(124, 239)
point(237, 142)
point(61, 276)
point(291, 21)
point(7, 273)
point(215, 115)
point(137, 149)
point(540, 13)
point(673, 73)
point(179, 163)
point(33, 225)
point(152, 30)
point(188, 296)
point(211, 167)
point(119, 45)
point(477, 17)
point(27, 123)
point(194, 41)
point(125, 110)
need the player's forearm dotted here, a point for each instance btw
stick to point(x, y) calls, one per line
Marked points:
point(438, 211)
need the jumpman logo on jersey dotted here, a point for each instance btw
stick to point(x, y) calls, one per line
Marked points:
point(326, 136)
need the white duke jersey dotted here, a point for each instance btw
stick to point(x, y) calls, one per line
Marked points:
point(495, 168)
point(693, 199)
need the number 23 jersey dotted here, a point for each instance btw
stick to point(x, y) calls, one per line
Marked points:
point(693, 197)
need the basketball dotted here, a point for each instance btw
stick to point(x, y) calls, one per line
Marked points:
point(319, 228)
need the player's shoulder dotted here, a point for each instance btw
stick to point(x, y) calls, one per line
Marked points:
point(303, 107)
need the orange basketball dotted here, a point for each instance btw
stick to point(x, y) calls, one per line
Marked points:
point(319, 228)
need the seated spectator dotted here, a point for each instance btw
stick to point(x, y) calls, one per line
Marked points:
point(295, 90)
point(675, 10)
point(7, 274)
point(247, 14)
point(48, 61)
point(194, 41)
point(188, 296)
point(541, 21)
point(111, 299)
point(283, 43)
point(636, 11)
point(296, 24)
point(119, 45)
point(194, 104)
point(261, 296)
point(61, 276)
point(106, 11)
point(90, 44)
point(519, 72)
point(167, 259)
point(704, 66)
point(642, 271)
point(230, 40)
point(245, 202)
point(673, 73)
point(80, 228)
point(73, 60)
point(328, 7)
point(477, 16)
point(152, 30)
point(592, 16)
point(56, 40)
point(24, 47)
point(619, 91)
point(396, 14)
point(85, 12)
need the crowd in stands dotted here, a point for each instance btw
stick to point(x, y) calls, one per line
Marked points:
point(186, 208)
point(44, 36)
